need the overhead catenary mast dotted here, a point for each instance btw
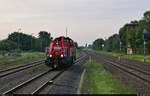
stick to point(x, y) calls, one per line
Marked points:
point(19, 30)
point(66, 31)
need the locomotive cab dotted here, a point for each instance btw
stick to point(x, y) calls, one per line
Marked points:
point(62, 53)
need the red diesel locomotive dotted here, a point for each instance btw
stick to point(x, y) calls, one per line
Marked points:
point(62, 52)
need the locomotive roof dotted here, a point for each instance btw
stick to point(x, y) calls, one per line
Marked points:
point(63, 37)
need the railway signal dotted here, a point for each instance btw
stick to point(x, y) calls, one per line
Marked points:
point(144, 38)
point(120, 47)
point(103, 46)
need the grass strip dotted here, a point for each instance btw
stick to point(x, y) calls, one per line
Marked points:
point(99, 81)
point(27, 57)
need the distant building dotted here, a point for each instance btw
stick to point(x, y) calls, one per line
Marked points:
point(131, 27)
point(129, 50)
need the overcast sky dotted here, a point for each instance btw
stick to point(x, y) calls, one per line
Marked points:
point(86, 19)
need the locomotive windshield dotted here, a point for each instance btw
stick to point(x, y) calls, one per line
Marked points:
point(57, 40)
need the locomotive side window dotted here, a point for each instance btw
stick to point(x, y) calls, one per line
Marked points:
point(71, 42)
point(66, 40)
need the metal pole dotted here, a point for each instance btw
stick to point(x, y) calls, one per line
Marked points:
point(66, 31)
point(42, 42)
point(31, 40)
point(120, 50)
point(18, 36)
point(18, 40)
point(144, 51)
point(144, 38)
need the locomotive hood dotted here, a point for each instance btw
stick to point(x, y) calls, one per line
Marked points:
point(56, 49)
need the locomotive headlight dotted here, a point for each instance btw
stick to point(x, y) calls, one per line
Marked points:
point(61, 55)
point(50, 55)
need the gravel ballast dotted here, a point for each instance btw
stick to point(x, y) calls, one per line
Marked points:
point(126, 78)
point(68, 83)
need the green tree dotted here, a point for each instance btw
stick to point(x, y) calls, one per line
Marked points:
point(112, 43)
point(45, 39)
point(143, 24)
point(129, 36)
point(97, 44)
point(7, 45)
point(22, 40)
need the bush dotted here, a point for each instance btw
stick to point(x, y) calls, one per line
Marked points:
point(7, 45)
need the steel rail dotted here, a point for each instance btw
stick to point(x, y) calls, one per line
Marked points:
point(133, 68)
point(18, 69)
point(115, 57)
point(47, 83)
point(10, 91)
point(20, 66)
point(25, 83)
point(50, 82)
point(123, 68)
point(6, 72)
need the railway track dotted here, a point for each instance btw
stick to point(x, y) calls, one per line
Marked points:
point(48, 84)
point(38, 82)
point(128, 61)
point(127, 72)
point(140, 74)
point(10, 71)
point(111, 59)
point(131, 67)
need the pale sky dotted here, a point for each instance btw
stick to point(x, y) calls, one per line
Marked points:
point(86, 19)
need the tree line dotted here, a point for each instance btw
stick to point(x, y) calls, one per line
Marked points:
point(17, 41)
point(129, 37)
point(25, 42)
